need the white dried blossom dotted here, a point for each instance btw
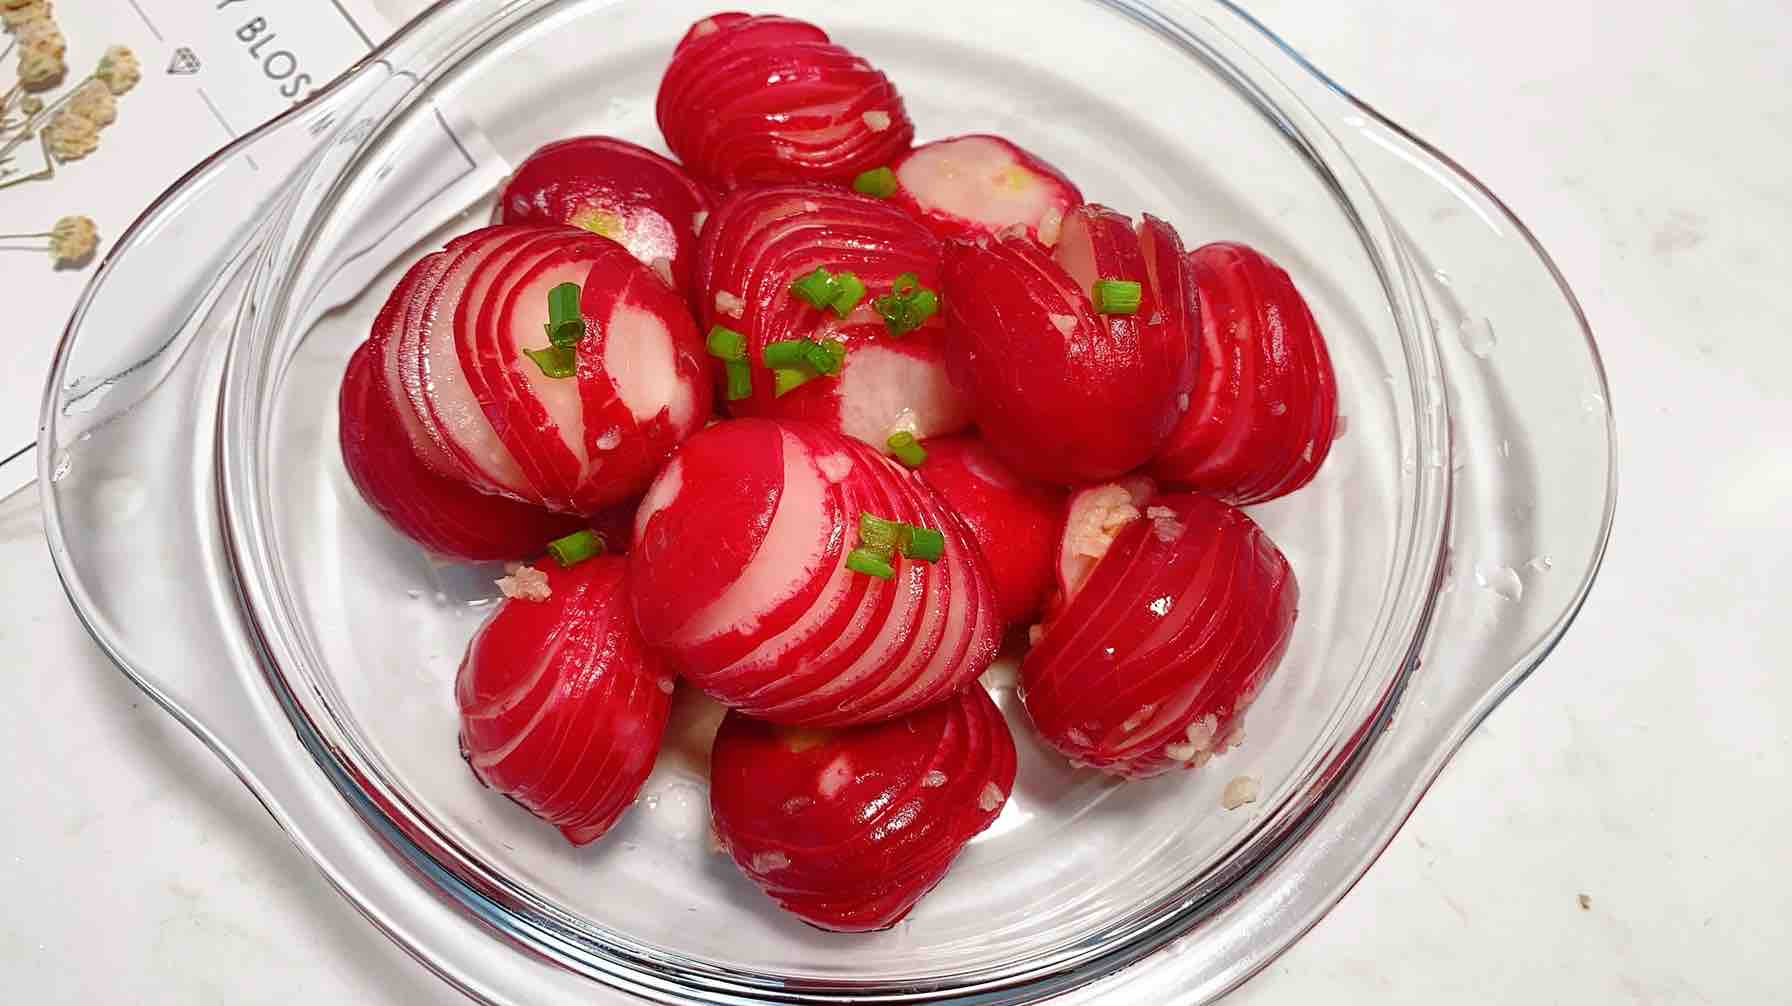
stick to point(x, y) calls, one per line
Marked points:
point(73, 240)
point(71, 136)
point(40, 68)
point(41, 32)
point(526, 584)
point(94, 102)
point(119, 69)
point(31, 105)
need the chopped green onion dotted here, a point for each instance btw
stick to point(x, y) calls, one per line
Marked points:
point(787, 379)
point(924, 544)
point(576, 548)
point(1117, 296)
point(879, 183)
point(740, 379)
point(825, 357)
point(908, 305)
point(863, 560)
point(558, 362)
point(566, 326)
point(788, 354)
point(817, 289)
point(849, 290)
point(906, 449)
point(880, 535)
point(727, 344)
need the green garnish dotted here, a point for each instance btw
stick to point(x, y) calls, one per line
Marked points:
point(839, 291)
point(789, 353)
point(908, 305)
point(825, 357)
point(923, 544)
point(558, 362)
point(565, 327)
point(1117, 296)
point(727, 344)
point(879, 183)
point(576, 548)
point(788, 379)
point(863, 560)
point(907, 449)
point(740, 379)
point(849, 290)
point(880, 535)
point(817, 288)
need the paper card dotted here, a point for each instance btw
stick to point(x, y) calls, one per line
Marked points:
point(212, 71)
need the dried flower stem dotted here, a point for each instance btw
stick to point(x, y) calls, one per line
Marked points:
point(44, 113)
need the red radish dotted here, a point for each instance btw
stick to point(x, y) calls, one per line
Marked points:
point(1150, 662)
point(446, 516)
point(760, 241)
point(1062, 393)
point(561, 707)
point(616, 189)
point(971, 186)
point(767, 99)
point(848, 829)
point(642, 385)
point(1015, 523)
point(740, 578)
point(1266, 399)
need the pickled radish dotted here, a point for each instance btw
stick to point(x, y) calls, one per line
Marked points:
point(971, 186)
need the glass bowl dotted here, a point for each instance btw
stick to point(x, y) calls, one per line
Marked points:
point(203, 525)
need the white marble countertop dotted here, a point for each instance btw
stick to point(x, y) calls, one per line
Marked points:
point(1644, 767)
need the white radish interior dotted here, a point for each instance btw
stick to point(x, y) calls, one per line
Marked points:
point(787, 560)
point(641, 361)
point(877, 386)
point(1076, 253)
point(978, 179)
point(456, 412)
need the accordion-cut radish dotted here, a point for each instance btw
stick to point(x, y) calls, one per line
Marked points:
point(1062, 393)
point(1149, 664)
point(971, 186)
point(616, 189)
point(760, 241)
point(740, 578)
point(562, 708)
point(1266, 399)
point(1014, 522)
point(848, 829)
point(771, 99)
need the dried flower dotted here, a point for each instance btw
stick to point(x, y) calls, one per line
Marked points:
point(18, 12)
point(41, 33)
point(93, 101)
point(40, 68)
point(71, 136)
point(119, 69)
point(73, 240)
point(31, 105)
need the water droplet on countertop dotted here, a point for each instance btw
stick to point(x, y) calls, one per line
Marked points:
point(1478, 335)
point(414, 594)
point(1502, 581)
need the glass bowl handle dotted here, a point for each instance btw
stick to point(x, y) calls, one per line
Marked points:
point(1533, 485)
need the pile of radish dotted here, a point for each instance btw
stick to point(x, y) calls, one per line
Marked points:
point(812, 420)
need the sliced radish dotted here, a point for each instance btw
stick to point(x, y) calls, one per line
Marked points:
point(1265, 404)
point(972, 186)
point(738, 579)
point(615, 189)
point(444, 515)
point(848, 829)
point(1014, 523)
point(766, 99)
point(433, 376)
point(759, 242)
point(1094, 517)
point(1060, 392)
point(1151, 664)
point(562, 708)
